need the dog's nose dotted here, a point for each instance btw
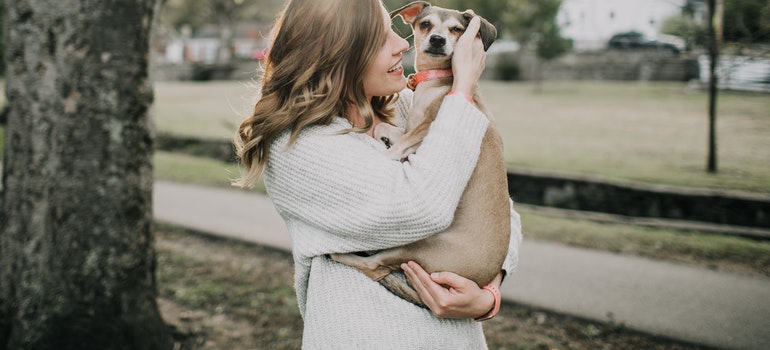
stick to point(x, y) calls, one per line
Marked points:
point(437, 41)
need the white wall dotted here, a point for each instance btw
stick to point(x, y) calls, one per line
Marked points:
point(590, 23)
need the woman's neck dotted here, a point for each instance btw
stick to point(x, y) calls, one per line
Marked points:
point(353, 115)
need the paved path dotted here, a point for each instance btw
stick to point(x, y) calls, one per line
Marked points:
point(682, 302)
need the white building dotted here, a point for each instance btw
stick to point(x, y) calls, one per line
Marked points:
point(248, 42)
point(591, 23)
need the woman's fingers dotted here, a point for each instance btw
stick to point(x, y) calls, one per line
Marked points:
point(421, 282)
point(471, 30)
point(468, 59)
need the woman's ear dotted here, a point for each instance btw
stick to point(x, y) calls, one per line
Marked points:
point(410, 11)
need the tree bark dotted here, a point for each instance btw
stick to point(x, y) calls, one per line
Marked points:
point(715, 40)
point(77, 262)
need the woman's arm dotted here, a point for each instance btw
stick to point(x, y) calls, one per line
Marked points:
point(449, 295)
point(348, 188)
point(512, 258)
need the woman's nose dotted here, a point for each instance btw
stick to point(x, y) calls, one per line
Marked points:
point(403, 45)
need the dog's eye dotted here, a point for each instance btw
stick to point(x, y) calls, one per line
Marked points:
point(457, 30)
point(425, 25)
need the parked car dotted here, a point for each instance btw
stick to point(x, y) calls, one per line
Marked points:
point(639, 41)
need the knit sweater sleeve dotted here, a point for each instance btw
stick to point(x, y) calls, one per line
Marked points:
point(342, 186)
point(512, 258)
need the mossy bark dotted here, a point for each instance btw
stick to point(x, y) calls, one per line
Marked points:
point(77, 262)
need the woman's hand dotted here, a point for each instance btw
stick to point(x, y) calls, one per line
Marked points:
point(468, 59)
point(449, 295)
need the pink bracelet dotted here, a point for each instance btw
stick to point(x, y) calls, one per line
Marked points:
point(467, 97)
point(492, 313)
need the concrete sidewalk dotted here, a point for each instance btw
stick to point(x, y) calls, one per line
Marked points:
point(672, 300)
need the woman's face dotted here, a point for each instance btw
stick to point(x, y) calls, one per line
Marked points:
point(386, 74)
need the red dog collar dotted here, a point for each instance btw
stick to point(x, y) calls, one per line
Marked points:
point(413, 79)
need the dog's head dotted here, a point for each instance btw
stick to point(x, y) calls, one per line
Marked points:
point(436, 31)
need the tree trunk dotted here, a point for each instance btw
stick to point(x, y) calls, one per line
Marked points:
point(77, 262)
point(715, 39)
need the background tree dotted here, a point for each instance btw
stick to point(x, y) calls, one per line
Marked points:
point(746, 21)
point(2, 66)
point(715, 26)
point(491, 10)
point(533, 24)
point(77, 263)
point(687, 26)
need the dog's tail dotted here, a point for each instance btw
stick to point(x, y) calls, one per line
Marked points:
point(402, 289)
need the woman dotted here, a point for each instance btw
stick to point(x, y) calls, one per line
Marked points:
point(332, 74)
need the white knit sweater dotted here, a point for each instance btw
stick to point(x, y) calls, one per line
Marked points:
point(340, 193)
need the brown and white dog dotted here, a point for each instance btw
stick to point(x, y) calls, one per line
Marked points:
point(476, 243)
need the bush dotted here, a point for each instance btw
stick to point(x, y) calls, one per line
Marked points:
point(507, 70)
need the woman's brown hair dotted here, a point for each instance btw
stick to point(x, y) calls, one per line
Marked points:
point(319, 53)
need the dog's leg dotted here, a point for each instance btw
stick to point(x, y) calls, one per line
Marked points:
point(388, 134)
point(409, 143)
point(402, 149)
point(398, 287)
point(369, 266)
point(372, 266)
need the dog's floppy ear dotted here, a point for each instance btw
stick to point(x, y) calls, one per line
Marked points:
point(410, 11)
point(488, 32)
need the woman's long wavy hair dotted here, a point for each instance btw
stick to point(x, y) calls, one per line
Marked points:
point(313, 71)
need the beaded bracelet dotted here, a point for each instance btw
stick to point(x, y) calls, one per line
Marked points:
point(492, 313)
point(467, 97)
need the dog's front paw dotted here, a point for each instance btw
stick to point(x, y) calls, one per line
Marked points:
point(386, 141)
point(387, 134)
point(401, 151)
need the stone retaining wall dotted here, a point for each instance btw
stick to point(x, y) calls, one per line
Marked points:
point(615, 65)
point(639, 200)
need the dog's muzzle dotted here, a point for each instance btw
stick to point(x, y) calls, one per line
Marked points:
point(437, 46)
point(437, 41)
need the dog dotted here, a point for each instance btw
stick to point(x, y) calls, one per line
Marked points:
point(476, 243)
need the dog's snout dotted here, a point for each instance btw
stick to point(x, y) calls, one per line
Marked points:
point(437, 40)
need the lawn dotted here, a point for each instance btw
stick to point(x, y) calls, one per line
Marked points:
point(649, 132)
point(210, 110)
point(572, 127)
point(224, 294)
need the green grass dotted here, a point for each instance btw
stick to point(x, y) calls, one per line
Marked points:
point(712, 250)
point(231, 295)
point(234, 295)
point(209, 110)
point(649, 132)
point(641, 132)
point(195, 170)
point(183, 168)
